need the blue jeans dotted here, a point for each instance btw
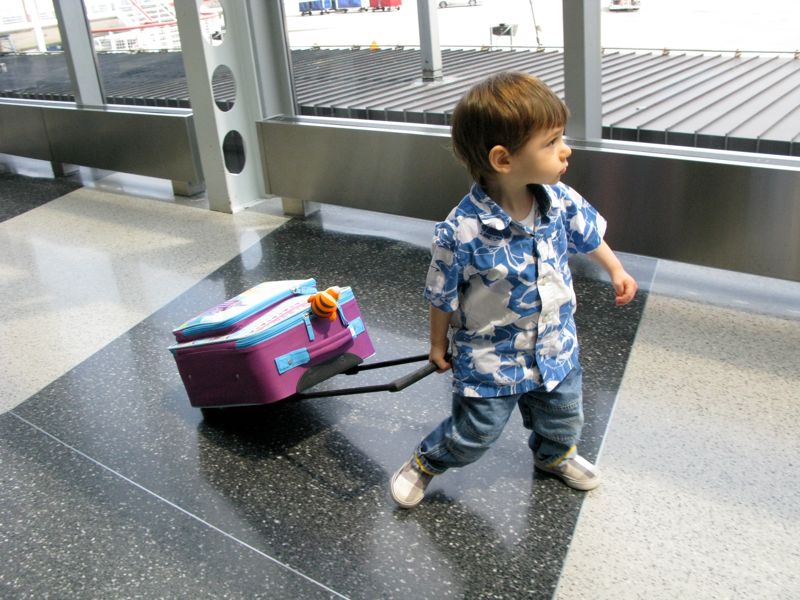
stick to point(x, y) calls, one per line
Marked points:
point(555, 419)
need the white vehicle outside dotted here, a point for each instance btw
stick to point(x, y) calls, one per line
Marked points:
point(624, 5)
point(450, 3)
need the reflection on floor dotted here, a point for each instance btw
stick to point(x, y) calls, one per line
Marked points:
point(113, 486)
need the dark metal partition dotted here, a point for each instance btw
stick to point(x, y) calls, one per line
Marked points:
point(728, 210)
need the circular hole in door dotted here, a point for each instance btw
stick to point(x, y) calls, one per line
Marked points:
point(223, 86)
point(233, 151)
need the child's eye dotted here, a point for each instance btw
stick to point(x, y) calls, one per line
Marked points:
point(554, 140)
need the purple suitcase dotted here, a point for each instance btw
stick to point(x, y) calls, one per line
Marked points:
point(272, 352)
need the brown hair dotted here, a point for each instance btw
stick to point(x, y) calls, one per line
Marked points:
point(505, 109)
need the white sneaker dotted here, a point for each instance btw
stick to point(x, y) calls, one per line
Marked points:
point(409, 483)
point(576, 472)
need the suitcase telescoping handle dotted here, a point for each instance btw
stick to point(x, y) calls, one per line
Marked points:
point(393, 386)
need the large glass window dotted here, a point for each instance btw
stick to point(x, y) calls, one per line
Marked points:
point(362, 58)
point(31, 62)
point(714, 73)
point(719, 74)
point(136, 41)
point(139, 52)
point(706, 25)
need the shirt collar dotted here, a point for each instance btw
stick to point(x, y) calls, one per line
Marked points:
point(494, 217)
point(489, 212)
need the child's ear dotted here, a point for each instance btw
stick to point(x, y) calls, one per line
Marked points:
point(500, 159)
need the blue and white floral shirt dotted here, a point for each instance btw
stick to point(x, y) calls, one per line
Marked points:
point(509, 288)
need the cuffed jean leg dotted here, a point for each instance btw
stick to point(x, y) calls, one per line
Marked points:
point(462, 438)
point(555, 418)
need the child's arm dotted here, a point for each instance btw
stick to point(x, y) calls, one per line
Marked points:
point(440, 323)
point(624, 285)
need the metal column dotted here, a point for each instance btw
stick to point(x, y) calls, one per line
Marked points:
point(582, 62)
point(273, 59)
point(429, 40)
point(274, 79)
point(253, 51)
point(84, 74)
point(76, 38)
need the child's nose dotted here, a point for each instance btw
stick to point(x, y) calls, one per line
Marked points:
point(566, 151)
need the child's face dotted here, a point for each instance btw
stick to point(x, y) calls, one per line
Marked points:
point(543, 158)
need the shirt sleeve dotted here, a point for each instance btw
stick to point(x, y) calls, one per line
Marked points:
point(444, 273)
point(585, 226)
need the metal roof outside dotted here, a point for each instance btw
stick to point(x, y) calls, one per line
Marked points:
point(721, 101)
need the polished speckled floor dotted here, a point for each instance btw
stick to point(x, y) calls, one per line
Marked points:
point(80, 269)
point(113, 486)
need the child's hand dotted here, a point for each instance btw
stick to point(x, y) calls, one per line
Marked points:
point(625, 287)
point(438, 357)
